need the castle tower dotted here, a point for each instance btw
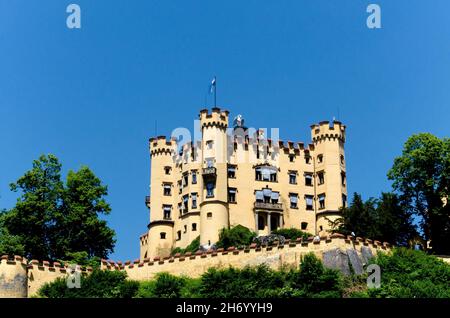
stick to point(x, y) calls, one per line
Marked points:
point(214, 214)
point(330, 174)
point(160, 235)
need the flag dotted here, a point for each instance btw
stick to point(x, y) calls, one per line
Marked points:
point(212, 85)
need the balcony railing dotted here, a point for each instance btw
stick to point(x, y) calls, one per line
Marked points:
point(147, 200)
point(210, 171)
point(269, 206)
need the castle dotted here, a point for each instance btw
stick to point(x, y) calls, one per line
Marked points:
point(236, 175)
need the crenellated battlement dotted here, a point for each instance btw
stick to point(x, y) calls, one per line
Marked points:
point(217, 118)
point(275, 256)
point(328, 130)
point(162, 145)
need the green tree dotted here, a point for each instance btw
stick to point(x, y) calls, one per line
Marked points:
point(9, 244)
point(421, 175)
point(34, 216)
point(292, 233)
point(384, 219)
point(58, 222)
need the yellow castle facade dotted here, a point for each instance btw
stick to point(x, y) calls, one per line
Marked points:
point(237, 175)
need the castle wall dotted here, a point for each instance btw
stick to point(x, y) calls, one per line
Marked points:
point(289, 254)
point(13, 277)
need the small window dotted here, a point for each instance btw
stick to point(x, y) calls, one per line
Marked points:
point(293, 177)
point(232, 195)
point(321, 178)
point(342, 159)
point(319, 158)
point(344, 201)
point(209, 144)
point(293, 197)
point(209, 162)
point(261, 223)
point(291, 158)
point(167, 189)
point(185, 203)
point(321, 228)
point(343, 178)
point(185, 228)
point(307, 160)
point(209, 215)
point(321, 201)
point(194, 227)
point(194, 200)
point(162, 235)
point(167, 170)
point(309, 202)
point(304, 226)
point(210, 190)
point(194, 177)
point(308, 179)
point(178, 235)
point(232, 172)
point(166, 212)
point(185, 180)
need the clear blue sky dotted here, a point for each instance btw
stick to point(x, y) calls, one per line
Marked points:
point(92, 96)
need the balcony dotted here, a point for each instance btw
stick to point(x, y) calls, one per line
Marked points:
point(209, 172)
point(269, 206)
point(147, 201)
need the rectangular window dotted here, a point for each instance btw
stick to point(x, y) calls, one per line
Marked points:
point(210, 190)
point(291, 158)
point(179, 187)
point(209, 162)
point(185, 203)
point(162, 235)
point(167, 189)
point(294, 200)
point(209, 144)
point(308, 179)
point(259, 196)
point(309, 202)
point(185, 179)
point(307, 160)
point(343, 178)
point(166, 211)
point(319, 158)
point(167, 170)
point(232, 172)
point(274, 197)
point(321, 178)
point(321, 201)
point(185, 228)
point(178, 235)
point(293, 177)
point(194, 200)
point(304, 226)
point(194, 176)
point(344, 200)
point(231, 195)
point(194, 227)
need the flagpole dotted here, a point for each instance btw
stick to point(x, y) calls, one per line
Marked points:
point(215, 91)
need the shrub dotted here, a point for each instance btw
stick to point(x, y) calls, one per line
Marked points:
point(235, 283)
point(292, 233)
point(236, 236)
point(98, 284)
point(317, 281)
point(192, 247)
point(169, 286)
point(412, 274)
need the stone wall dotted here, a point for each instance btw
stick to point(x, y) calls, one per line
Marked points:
point(335, 251)
point(20, 278)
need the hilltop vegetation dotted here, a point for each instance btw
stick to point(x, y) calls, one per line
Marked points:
point(405, 273)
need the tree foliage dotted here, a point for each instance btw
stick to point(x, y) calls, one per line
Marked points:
point(236, 236)
point(384, 219)
point(53, 220)
point(192, 247)
point(292, 233)
point(98, 284)
point(421, 175)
